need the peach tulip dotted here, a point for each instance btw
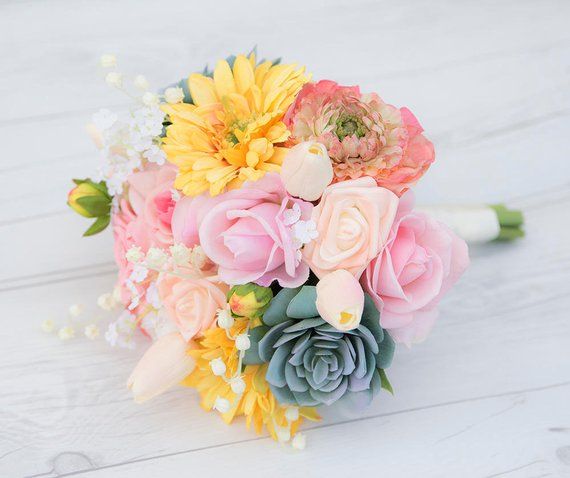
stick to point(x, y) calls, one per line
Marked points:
point(163, 365)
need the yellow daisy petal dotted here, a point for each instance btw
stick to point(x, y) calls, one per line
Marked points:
point(224, 79)
point(202, 89)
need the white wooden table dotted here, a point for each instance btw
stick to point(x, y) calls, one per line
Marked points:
point(487, 395)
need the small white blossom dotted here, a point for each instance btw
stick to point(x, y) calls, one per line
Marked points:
point(299, 441)
point(198, 257)
point(175, 194)
point(48, 326)
point(114, 79)
point(138, 274)
point(174, 95)
point(292, 414)
point(104, 119)
point(156, 258)
point(106, 301)
point(91, 331)
point(283, 434)
point(135, 301)
point(108, 61)
point(141, 82)
point(218, 367)
point(180, 254)
point(134, 254)
point(304, 232)
point(225, 319)
point(152, 297)
point(222, 405)
point(158, 324)
point(66, 333)
point(117, 294)
point(75, 310)
point(121, 332)
point(155, 155)
point(291, 216)
point(238, 385)
point(150, 99)
point(243, 342)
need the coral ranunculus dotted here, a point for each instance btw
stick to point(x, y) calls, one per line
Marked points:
point(253, 234)
point(422, 260)
point(364, 135)
point(234, 130)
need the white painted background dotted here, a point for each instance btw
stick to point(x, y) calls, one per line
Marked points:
point(487, 395)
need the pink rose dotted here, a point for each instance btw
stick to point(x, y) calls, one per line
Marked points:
point(248, 232)
point(150, 196)
point(422, 260)
point(191, 303)
point(143, 218)
point(353, 221)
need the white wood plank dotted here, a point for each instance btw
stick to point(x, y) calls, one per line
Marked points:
point(503, 329)
point(472, 439)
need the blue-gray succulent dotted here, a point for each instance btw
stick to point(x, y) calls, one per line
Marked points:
point(312, 363)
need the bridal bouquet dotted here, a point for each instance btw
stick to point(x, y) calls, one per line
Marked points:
point(267, 240)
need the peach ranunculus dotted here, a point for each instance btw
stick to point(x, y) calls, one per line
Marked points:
point(364, 136)
point(353, 220)
point(191, 303)
point(422, 260)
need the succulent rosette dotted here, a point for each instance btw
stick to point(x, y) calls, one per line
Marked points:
point(311, 362)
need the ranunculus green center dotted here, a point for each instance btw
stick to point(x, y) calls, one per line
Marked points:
point(348, 125)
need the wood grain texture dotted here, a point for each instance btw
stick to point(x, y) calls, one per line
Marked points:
point(486, 396)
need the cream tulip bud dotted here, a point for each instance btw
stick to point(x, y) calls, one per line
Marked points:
point(163, 365)
point(340, 300)
point(307, 170)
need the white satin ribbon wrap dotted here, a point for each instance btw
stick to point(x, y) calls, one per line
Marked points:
point(475, 224)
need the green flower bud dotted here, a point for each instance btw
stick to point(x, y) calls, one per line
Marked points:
point(89, 199)
point(249, 300)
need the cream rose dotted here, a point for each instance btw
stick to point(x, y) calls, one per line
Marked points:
point(191, 303)
point(353, 221)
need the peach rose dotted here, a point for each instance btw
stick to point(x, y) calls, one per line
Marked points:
point(353, 221)
point(191, 303)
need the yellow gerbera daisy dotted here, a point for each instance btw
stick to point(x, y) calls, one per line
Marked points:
point(257, 403)
point(233, 132)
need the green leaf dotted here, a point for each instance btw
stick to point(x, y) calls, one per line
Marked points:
point(386, 385)
point(100, 224)
point(79, 181)
point(95, 205)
